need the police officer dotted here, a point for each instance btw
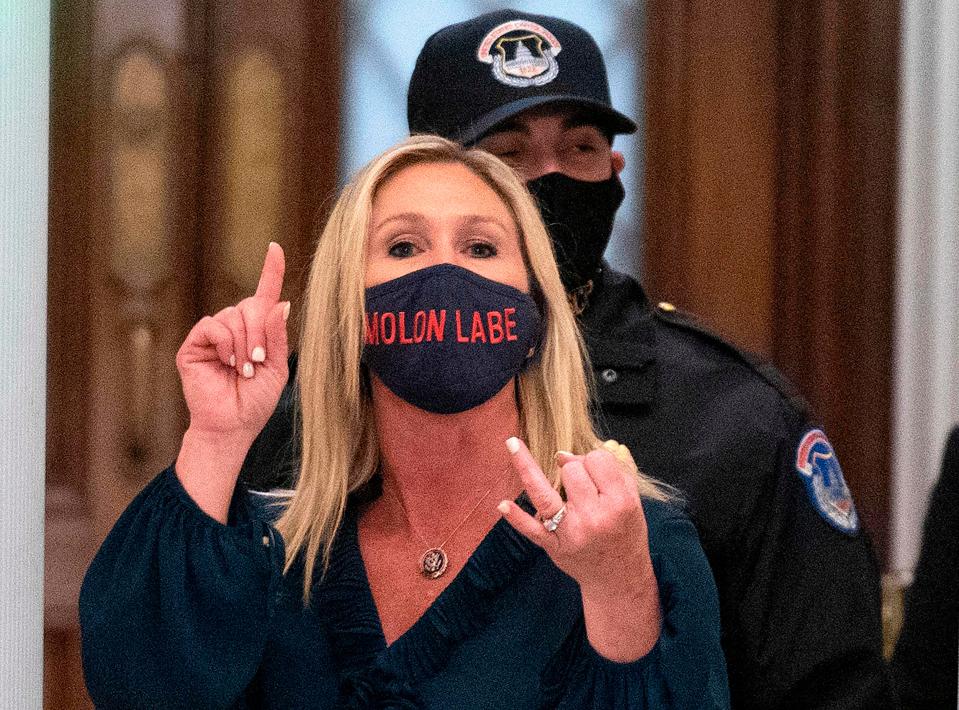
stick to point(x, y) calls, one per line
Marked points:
point(798, 582)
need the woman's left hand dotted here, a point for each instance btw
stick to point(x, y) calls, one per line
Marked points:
point(601, 542)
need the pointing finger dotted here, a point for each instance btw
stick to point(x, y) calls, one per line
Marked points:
point(526, 525)
point(271, 277)
point(544, 497)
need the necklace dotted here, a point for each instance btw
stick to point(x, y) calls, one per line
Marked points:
point(434, 561)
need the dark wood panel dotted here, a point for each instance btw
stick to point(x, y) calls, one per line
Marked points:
point(836, 229)
point(278, 72)
point(711, 155)
point(666, 249)
point(770, 199)
point(141, 99)
point(68, 356)
point(68, 315)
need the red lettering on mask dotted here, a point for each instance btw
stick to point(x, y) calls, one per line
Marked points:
point(494, 324)
point(404, 338)
point(419, 326)
point(478, 333)
point(372, 328)
point(436, 327)
point(384, 338)
point(510, 323)
point(460, 338)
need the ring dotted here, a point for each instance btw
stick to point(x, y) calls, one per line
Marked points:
point(553, 523)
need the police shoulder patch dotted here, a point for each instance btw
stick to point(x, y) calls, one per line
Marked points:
point(816, 462)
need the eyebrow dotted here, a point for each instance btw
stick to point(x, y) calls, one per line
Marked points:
point(418, 219)
point(472, 219)
point(414, 217)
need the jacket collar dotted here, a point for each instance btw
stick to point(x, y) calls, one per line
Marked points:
point(618, 325)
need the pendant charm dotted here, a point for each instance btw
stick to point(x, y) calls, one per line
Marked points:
point(433, 563)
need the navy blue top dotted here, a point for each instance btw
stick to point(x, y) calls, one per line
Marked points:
point(180, 611)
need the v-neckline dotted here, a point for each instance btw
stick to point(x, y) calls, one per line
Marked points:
point(346, 602)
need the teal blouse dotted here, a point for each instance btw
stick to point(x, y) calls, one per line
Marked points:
point(180, 611)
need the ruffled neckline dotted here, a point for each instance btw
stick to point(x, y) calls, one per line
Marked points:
point(366, 665)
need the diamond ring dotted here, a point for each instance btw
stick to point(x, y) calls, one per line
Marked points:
point(552, 523)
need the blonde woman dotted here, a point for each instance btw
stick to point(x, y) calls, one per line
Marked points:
point(443, 547)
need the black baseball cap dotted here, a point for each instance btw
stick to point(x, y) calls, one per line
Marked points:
point(473, 75)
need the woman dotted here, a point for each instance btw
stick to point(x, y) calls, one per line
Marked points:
point(436, 329)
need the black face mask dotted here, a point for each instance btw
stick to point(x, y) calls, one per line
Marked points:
point(579, 217)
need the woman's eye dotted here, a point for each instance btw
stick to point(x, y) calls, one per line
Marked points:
point(482, 250)
point(402, 250)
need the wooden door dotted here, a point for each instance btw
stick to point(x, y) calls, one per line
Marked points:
point(184, 137)
point(770, 199)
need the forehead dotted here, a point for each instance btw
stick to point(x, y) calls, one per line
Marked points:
point(438, 189)
point(559, 116)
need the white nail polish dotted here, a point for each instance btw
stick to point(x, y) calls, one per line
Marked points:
point(512, 444)
point(248, 370)
point(258, 354)
point(286, 311)
point(232, 360)
point(565, 453)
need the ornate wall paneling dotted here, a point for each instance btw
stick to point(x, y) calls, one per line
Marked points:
point(271, 136)
point(184, 136)
point(143, 173)
point(770, 194)
point(123, 147)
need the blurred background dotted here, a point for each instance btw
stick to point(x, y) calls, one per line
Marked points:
point(793, 183)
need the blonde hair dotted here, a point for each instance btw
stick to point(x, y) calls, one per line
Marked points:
point(339, 447)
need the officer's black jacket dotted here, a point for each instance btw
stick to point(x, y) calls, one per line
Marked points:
point(800, 600)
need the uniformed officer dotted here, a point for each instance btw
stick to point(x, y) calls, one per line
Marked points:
point(798, 581)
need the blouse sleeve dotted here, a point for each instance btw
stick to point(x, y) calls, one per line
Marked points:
point(685, 669)
point(175, 608)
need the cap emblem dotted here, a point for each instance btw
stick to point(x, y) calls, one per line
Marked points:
point(522, 53)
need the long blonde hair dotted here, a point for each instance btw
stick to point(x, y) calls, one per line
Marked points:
point(339, 447)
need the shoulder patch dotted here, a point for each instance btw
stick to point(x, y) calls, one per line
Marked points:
point(816, 462)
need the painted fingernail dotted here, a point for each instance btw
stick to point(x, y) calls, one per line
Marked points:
point(270, 244)
point(248, 370)
point(503, 507)
point(286, 311)
point(512, 444)
point(232, 360)
point(258, 354)
point(564, 453)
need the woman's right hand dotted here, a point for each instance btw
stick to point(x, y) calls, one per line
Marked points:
point(233, 367)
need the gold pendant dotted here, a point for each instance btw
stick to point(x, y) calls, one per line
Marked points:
point(433, 563)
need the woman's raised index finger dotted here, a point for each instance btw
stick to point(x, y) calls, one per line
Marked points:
point(271, 277)
point(544, 497)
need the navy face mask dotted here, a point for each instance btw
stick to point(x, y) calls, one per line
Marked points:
point(446, 339)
